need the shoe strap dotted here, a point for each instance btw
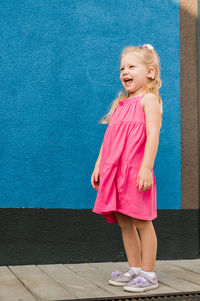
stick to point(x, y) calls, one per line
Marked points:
point(130, 271)
point(150, 279)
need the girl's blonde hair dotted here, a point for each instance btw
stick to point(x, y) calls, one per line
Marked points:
point(149, 58)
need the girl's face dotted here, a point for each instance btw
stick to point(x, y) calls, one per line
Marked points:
point(133, 74)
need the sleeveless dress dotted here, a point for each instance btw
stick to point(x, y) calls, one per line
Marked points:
point(122, 155)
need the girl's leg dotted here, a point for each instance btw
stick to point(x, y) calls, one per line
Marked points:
point(148, 244)
point(130, 239)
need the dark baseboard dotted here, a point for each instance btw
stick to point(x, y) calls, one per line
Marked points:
point(50, 236)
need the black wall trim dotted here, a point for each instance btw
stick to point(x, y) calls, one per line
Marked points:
point(49, 236)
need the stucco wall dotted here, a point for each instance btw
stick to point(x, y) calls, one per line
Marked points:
point(60, 72)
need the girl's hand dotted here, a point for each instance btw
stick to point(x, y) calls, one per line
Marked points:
point(95, 177)
point(144, 178)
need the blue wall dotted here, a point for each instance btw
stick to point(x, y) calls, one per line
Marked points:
point(59, 72)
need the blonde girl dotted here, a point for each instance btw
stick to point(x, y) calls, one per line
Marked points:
point(123, 173)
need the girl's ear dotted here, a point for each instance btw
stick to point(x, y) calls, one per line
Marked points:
point(151, 73)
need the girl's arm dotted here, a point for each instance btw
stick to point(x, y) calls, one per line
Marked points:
point(99, 157)
point(153, 125)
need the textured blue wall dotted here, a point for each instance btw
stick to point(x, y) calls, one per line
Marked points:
point(59, 72)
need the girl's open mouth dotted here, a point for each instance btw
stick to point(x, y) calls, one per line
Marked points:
point(128, 81)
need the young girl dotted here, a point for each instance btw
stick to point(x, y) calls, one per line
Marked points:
point(123, 172)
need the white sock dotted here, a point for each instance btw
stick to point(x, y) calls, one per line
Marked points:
point(134, 269)
point(151, 274)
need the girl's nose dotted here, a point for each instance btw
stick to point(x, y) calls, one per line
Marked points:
point(124, 71)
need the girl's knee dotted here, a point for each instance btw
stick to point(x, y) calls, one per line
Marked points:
point(123, 220)
point(141, 224)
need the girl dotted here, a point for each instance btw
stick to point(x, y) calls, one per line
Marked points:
point(123, 172)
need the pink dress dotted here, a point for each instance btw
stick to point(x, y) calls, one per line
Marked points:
point(121, 158)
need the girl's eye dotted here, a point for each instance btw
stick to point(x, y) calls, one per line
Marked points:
point(132, 66)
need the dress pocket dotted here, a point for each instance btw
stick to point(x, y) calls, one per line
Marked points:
point(127, 178)
point(130, 191)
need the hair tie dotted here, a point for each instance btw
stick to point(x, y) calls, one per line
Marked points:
point(149, 46)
